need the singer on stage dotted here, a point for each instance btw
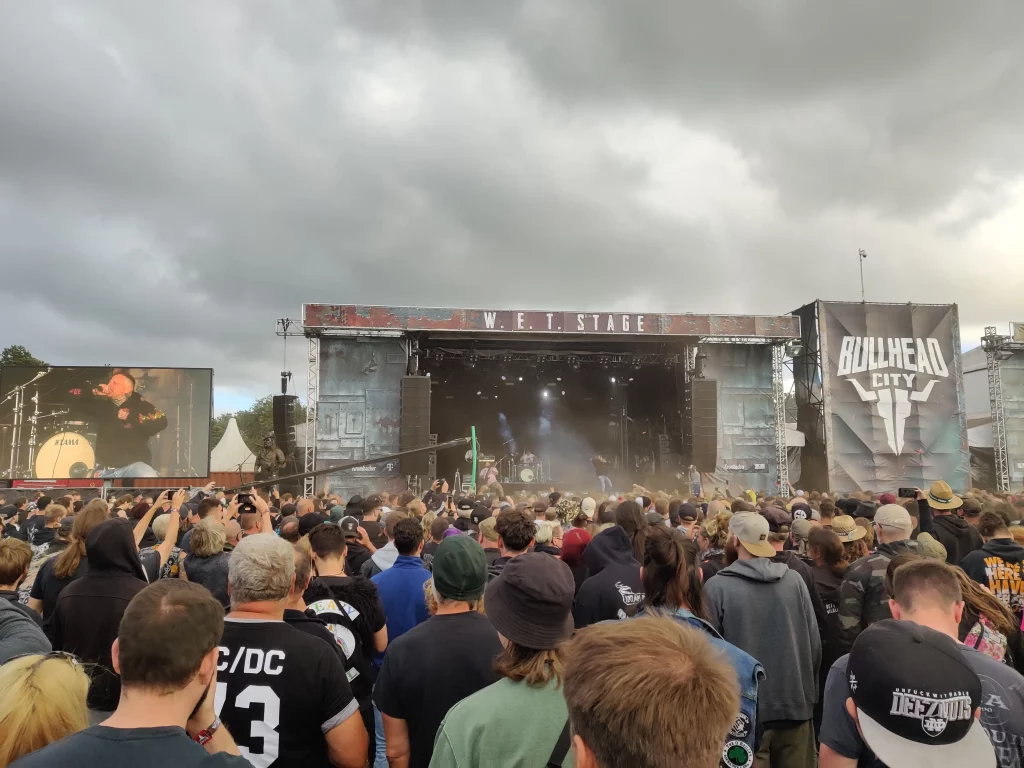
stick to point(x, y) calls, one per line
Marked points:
point(124, 423)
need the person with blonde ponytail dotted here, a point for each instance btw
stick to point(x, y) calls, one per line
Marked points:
point(42, 700)
point(69, 565)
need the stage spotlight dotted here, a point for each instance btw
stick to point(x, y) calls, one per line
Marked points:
point(636, 362)
point(543, 393)
point(479, 393)
point(502, 378)
point(428, 374)
point(574, 362)
point(604, 360)
point(563, 391)
point(630, 378)
point(520, 378)
point(669, 362)
point(613, 379)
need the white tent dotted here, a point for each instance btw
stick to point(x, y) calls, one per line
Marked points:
point(231, 451)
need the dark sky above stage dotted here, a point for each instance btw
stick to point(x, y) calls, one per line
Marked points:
point(174, 176)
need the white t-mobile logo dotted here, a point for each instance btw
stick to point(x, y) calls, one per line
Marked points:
point(892, 390)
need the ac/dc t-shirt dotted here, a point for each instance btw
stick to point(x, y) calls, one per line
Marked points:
point(279, 690)
point(1002, 712)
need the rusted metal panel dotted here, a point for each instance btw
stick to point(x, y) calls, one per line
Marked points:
point(359, 408)
point(352, 317)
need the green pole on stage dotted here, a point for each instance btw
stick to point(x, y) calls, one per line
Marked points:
point(472, 435)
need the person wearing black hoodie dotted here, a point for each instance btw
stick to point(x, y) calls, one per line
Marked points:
point(998, 564)
point(89, 610)
point(614, 588)
point(953, 532)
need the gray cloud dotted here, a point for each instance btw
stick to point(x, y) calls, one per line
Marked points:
point(174, 177)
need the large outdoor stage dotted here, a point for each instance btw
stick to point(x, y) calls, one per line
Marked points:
point(652, 394)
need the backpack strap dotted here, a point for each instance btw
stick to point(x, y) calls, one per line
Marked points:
point(561, 748)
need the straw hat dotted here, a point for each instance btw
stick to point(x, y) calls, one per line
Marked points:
point(846, 529)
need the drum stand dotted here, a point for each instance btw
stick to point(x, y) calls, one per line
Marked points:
point(34, 420)
point(18, 412)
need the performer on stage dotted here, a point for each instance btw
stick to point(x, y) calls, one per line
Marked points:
point(270, 460)
point(527, 458)
point(601, 467)
point(124, 423)
point(488, 474)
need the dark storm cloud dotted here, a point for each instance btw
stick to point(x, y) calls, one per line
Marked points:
point(176, 176)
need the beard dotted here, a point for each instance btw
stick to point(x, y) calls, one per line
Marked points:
point(732, 553)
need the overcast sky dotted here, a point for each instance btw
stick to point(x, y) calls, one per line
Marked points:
point(174, 176)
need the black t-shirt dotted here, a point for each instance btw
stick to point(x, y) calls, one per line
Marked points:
point(102, 747)
point(429, 549)
point(376, 532)
point(352, 610)
point(430, 669)
point(279, 692)
point(47, 587)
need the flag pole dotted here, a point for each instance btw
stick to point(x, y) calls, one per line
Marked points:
point(863, 256)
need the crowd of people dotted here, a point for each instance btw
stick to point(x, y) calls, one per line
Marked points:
point(454, 630)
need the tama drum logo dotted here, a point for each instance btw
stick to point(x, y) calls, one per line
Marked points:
point(886, 371)
point(934, 713)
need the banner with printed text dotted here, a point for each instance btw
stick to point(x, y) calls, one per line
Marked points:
point(894, 396)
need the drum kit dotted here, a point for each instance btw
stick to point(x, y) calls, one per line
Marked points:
point(527, 472)
point(56, 447)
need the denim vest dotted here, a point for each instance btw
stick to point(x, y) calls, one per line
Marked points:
point(742, 740)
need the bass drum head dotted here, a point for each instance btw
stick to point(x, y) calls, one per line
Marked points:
point(526, 475)
point(66, 454)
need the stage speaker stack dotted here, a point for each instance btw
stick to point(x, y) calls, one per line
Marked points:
point(701, 423)
point(415, 429)
point(284, 435)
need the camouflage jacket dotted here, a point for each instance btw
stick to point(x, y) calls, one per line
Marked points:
point(862, 596)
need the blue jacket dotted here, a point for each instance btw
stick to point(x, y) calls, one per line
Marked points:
point(744, 734)
point(401, 591)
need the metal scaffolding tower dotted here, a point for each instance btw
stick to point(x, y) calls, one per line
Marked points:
point(312, 397)
point(779, 404)
point(997, 349)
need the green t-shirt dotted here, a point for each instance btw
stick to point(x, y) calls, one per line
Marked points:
point(507, 724)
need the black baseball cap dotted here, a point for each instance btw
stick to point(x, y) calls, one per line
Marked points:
point(371, 503)
point(779, 520)
point(479, 514)
point(688, 513)
point(916, 697)
point(350, 526)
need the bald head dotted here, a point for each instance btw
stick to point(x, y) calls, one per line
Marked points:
point(232, 531)
point(304, 507)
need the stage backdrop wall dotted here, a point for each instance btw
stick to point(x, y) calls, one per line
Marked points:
point(894, 403)
point(359, 411)
point(1013, 412)
point(746, 437)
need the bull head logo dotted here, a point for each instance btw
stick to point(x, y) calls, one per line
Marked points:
point(889, 388)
